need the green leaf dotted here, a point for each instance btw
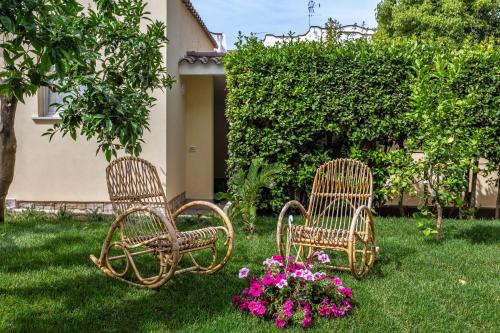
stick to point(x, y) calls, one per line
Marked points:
point(18, 94)
point(7, 23)
point(5, 89)
point(45, 62)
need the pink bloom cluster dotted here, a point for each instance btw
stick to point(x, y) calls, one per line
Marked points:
point(322, 257)
point(273, 294)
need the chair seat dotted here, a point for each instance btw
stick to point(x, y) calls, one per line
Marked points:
point(187, 240)
point(319, 237)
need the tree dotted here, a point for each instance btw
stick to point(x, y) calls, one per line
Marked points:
point(455, 102)
point(101, 58)
point(333, 30)
point(455, 19)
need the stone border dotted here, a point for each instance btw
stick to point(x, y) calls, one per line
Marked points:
point(78, 207)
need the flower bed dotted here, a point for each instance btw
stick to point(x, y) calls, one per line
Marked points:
point(291, 293)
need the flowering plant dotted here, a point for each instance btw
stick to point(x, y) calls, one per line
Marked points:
point(293, 293)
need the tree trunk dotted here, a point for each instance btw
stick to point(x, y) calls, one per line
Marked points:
point(8, 147)
point(497, 207)
point(467, 194)
point(439, 219)
point(472, 202)
point(400, 204)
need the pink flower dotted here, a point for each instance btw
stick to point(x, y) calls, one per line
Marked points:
point(255, 288)
point(306, 306)
point(272, 262)
point(280, 277)
point(278, 258)
point(325, 310)
point(280, 322)
point(256, 308)
point(282, 283)
point(237, 301)
point(335, 310)
point(287, 308)
point(244, 272)
point(319, 276)
point(268, 280)
point(308, 276)
point(322, 256)
point(346, 306)
point(244, 291)
point(243, 304)
point(337, 281)
point(307, 322)
point(346, 292)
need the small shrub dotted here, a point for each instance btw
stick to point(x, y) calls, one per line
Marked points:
point(97, 216)
point(31, 213)
point(245, 188)
point(63, 214)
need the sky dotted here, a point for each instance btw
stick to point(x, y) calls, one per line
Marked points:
point(279, 16)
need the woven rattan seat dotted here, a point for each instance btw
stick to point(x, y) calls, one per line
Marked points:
point(187, 240)
point(145, 226)
point(338, 217)
point(319, 237)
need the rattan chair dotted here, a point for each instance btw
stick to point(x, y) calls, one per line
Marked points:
point(144, 246)
point(338, 218)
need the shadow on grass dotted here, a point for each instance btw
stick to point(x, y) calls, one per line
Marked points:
point(60, 251)
point(86, 303)
point(390, 255)
point(480, 234)
point(57, 287)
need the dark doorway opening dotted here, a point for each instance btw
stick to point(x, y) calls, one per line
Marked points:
point(221, 129)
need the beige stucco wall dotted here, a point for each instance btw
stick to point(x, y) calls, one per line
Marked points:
point(199, 105)
point(184, 34)
point(65, 170)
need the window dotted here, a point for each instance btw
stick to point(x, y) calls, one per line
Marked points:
point(46, 99)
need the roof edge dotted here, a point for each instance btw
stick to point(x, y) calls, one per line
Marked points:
point(323, 28)
point(198, 18)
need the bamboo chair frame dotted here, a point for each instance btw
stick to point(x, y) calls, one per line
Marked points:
point(145, 226)
point(338, 218)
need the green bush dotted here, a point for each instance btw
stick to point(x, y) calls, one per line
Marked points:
point(303, 103)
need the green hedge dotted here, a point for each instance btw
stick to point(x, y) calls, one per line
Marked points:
point(302, 104)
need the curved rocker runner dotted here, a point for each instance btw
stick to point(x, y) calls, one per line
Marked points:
point(338, 218)
point(144, 226)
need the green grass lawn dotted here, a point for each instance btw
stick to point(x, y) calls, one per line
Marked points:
point(47, 283)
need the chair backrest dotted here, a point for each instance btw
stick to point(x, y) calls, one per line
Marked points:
point(340, 187)
point(131, 182)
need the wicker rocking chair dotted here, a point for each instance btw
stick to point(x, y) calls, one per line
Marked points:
point(338, 218)
point(144, 246)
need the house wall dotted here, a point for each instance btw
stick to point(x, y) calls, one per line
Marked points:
point(68, 171)
point(65, 170)
point(185, 34)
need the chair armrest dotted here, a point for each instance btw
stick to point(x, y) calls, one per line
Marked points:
point(355, 218)
point(213, 207)
point(280, 226)
point(140, 208)
point(298, 205)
